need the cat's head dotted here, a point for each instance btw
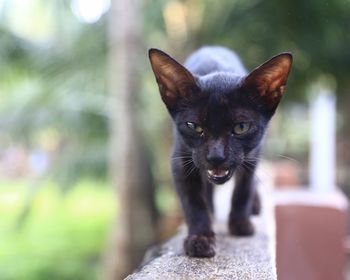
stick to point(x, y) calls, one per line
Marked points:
point(221, 117)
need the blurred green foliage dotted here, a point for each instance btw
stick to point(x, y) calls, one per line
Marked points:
point(53, 92)
point(64, 235)
point(316, 32)
point(56, 87)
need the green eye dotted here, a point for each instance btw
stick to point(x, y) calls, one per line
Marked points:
point(197, 128)
point(241, 128)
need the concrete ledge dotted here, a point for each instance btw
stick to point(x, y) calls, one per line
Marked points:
point(236, 258)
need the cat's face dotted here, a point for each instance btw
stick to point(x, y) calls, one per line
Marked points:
point(221, 118)
point(222, 130)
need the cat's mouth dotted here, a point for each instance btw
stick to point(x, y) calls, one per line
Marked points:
point(219, 175)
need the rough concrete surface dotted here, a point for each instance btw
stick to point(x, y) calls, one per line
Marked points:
point(236, 258)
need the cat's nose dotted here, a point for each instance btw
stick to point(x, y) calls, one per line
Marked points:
point(216, 159)
point(216, 153)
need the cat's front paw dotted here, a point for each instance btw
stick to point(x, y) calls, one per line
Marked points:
point(200, 246)
point(241, 226)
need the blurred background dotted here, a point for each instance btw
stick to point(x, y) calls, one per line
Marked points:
point(85, 183)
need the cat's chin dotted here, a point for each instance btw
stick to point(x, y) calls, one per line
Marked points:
point(219, 176)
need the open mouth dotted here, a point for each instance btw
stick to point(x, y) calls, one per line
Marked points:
point(219, 175)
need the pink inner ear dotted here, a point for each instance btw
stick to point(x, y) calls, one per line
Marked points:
point(173, 79)
point(272, 74)
point(270, 78)
point(166, 84)
point(277, 82)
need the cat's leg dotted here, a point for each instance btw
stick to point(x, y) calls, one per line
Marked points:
point(209, 193)
point(200, 241)
point(242, 203)
point(256, 207)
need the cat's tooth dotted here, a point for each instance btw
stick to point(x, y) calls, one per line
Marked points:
point(218, 174)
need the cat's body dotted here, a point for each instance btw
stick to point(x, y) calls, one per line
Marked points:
point(220, 115)
point(213, 59)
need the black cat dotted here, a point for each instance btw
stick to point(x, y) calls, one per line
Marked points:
point(220, 114)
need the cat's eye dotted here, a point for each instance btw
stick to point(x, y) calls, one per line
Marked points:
point(197, 128)
point(241, 128)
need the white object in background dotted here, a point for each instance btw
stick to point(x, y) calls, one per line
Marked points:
point(322, 146)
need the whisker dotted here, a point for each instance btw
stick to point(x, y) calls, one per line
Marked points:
point(245, 164)
point(183, 157)
point(289, 158)
point(259, 168)
point(186, 164)
point(281, 156)
point(245, 167)
point(251, 163)
point(193, 168)
point(253, 158)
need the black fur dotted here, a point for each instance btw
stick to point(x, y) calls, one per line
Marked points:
point(214, 92)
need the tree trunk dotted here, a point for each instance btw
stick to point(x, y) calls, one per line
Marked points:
point(134, 228)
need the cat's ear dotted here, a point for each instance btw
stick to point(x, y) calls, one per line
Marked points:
point(269, 80)
point(174, 80)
